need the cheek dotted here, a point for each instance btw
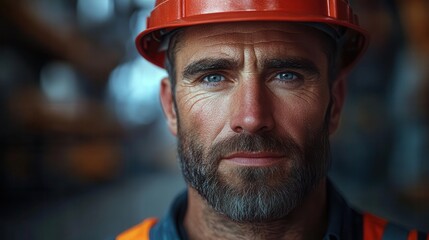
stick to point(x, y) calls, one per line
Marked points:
point(203, 115)
point(300, 119)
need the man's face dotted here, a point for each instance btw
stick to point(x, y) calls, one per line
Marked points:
point(253, 114)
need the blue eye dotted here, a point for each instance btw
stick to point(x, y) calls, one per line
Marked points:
point(213, 78)
point(286, 76)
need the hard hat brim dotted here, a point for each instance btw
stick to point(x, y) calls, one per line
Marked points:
point(148, 42)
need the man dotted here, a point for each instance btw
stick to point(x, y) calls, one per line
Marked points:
point(255, 89)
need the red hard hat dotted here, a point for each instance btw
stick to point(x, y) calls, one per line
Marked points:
point(171, 14)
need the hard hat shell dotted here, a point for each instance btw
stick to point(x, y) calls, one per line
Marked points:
point(172, 14)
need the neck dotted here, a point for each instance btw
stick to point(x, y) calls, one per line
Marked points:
point(306, 221)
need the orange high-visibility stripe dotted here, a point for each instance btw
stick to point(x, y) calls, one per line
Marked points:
point(373, 227)
point(138, 232)
point(412, 235)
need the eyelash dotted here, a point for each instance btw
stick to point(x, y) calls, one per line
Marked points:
point(212, 84)
point(296, 77)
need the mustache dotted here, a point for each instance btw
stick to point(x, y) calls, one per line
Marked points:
point(255, 143)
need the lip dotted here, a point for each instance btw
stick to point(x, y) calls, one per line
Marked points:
point(256, 159)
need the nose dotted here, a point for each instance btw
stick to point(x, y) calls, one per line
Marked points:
point(251, 109)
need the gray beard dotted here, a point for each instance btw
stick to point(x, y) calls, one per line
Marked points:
point(261, 194)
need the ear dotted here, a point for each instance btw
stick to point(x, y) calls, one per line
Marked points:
point(168, 105)
point(338, 92)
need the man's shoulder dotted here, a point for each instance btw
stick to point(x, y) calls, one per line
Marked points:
point(140, 231)
point(168, 227)
point(375, 227)
point(355, 224)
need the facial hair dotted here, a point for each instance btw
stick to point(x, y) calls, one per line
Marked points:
point(254, 194)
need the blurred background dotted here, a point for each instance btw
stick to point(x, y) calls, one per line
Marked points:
point(84, 149)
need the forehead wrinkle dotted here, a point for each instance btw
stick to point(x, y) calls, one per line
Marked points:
point(274, 51)
point(226, 44)
point(221, 52)
point(276, 41)
point(250, 33)
point(232, 49)
point(250, 38)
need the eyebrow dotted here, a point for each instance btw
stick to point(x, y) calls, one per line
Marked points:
point(292, 63)
point(209, 64)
